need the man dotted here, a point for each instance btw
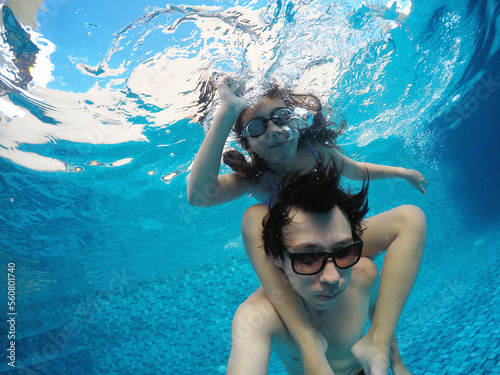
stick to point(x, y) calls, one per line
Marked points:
point(313, 234)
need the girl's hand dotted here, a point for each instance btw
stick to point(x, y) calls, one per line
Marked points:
point(416, 180)
point(229, 90)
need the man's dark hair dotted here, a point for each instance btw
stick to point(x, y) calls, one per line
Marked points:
point(317, 191)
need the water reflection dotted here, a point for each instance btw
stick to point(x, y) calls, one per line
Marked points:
point(313, 46)
point(388, 72)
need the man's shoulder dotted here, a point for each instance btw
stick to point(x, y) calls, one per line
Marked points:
point(254, 214)
point(254, 325)
point(258, 315)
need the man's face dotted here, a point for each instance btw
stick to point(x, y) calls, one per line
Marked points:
point(312, 233)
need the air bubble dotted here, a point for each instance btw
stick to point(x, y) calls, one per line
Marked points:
point(169, 177)
point(266, 18)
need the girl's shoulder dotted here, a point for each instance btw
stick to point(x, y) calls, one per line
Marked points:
point(264, 188)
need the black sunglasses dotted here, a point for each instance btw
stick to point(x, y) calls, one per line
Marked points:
point(313, 263)
point(258, 125)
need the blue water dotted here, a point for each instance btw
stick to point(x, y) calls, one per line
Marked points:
point(116, 273)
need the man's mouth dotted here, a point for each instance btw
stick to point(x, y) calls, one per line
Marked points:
point(329, 295)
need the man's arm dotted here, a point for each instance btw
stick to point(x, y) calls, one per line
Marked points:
point(251, 341)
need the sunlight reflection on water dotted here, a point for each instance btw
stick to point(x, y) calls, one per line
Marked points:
point(344, 53)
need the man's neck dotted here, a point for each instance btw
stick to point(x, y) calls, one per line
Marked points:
point(316, 315)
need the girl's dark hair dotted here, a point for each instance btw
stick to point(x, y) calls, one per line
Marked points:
point(321, 131)
point(317, 191)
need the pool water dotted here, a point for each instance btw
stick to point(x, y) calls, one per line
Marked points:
point(103, 109)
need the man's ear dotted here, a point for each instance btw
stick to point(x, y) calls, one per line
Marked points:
point(278, 262)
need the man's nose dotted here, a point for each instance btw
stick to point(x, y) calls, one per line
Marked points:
point(330, 273)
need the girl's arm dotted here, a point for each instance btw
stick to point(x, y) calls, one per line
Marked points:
point(395, 360)
point(356, 171)
point(205, 186)
point(402, 231)
point(284, 298)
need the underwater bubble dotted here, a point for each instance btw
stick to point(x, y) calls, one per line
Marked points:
point(292, 132)
point(169, 176)
point(266, 18)
point(303, 117)
point(254, 95)
point(121, 162)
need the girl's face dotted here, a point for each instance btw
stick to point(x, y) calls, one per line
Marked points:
point(277, 144)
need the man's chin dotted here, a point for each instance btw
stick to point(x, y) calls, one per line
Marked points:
point(324, 302)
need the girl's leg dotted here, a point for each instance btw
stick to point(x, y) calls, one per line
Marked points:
point(397, 365)
point(284, 298)
point(402, 231)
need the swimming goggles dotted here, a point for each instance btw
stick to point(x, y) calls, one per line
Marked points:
point(313, 263)
point(280, 116)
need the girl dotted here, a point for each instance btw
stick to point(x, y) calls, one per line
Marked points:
point(279, 142)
